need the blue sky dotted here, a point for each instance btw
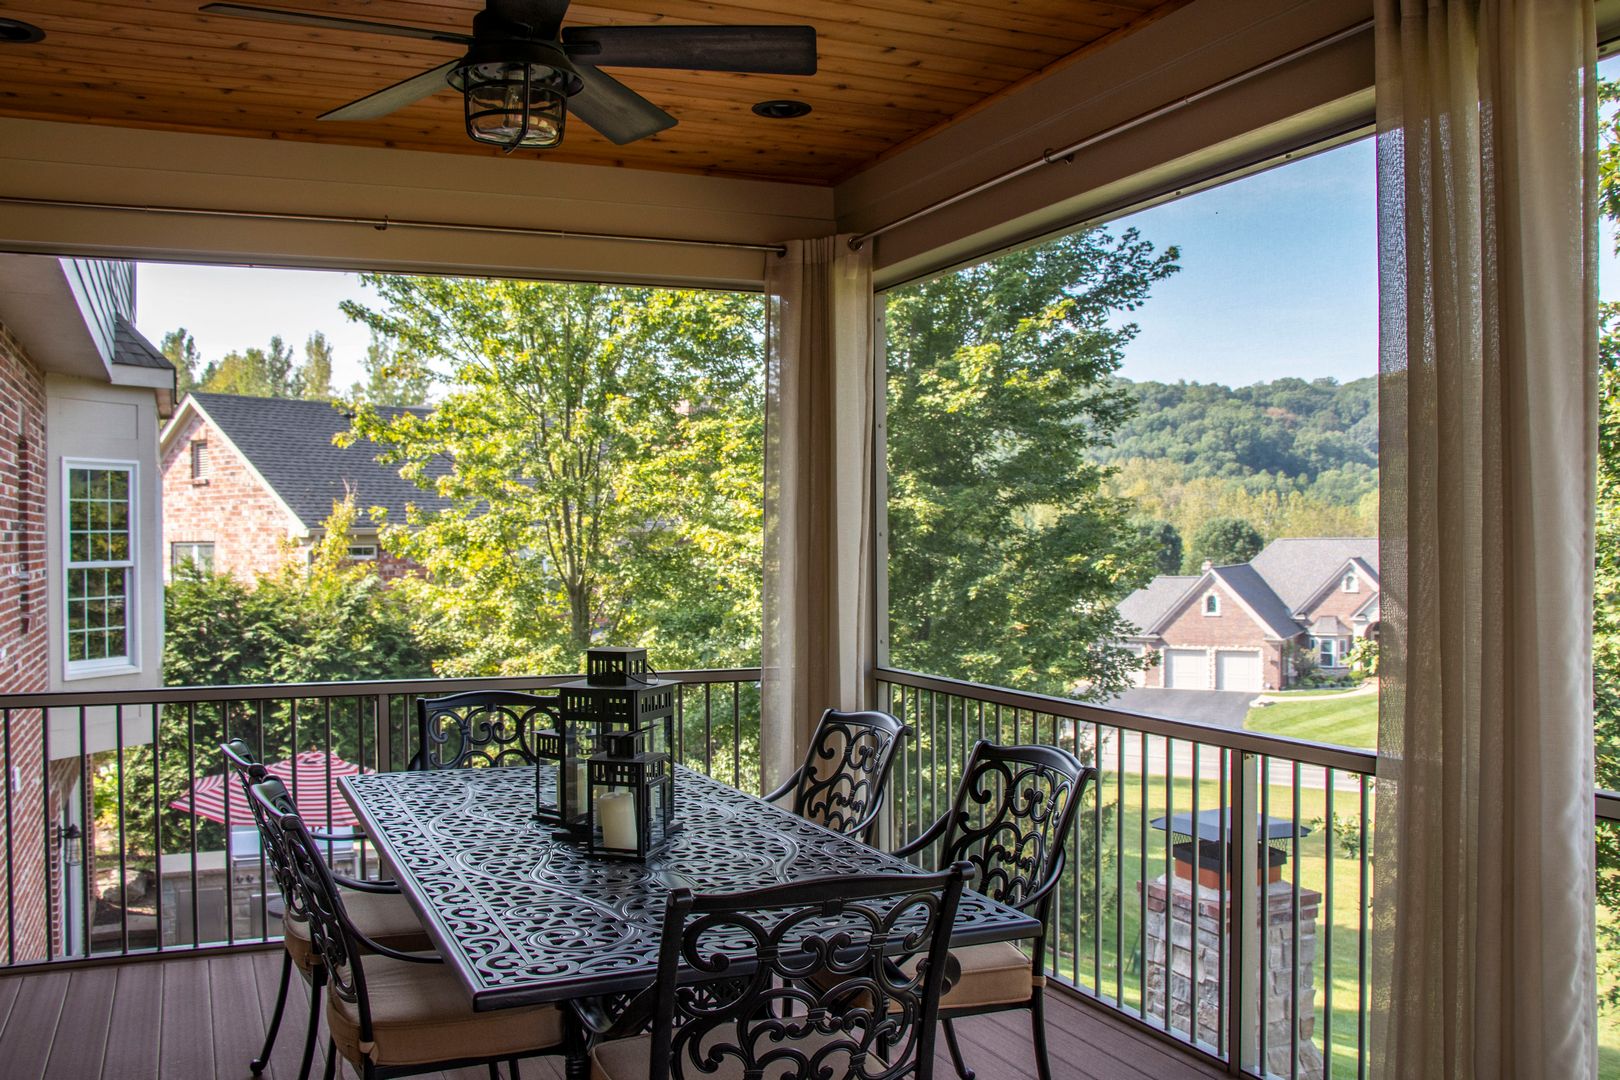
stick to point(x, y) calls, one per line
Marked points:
point(1279, 277)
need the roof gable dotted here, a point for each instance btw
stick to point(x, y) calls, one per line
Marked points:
point(288, 444)
point(1146, 608)
point(1297, 568)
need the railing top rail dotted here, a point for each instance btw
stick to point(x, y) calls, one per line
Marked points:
point(1309, 753)
point(170, 695)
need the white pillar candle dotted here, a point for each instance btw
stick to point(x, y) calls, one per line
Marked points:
point(616, 810)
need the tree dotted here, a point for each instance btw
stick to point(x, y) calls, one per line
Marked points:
point(601, 453)
point(313, 379)
point(253, 372)
point(1165, 542)
point(1226, 541)
point(1007, 557)
point(394, 376)
point(181, 350)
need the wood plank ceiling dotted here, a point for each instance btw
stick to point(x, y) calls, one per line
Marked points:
point(890, 72)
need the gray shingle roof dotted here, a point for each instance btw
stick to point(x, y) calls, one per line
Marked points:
point(290, 443)
point(1274, 616)
point(1152, 602)
point(131, 349)
point(1296, 568)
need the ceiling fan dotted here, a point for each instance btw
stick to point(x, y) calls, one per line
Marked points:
point(523, 71)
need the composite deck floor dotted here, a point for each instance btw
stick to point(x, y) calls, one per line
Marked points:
point(185, 1019)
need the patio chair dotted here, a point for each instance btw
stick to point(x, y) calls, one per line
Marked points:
point(390, 1011)
point(375, 905)
point(833, 976)
point(843, 780)
point(1011, 821)
point(480, 727)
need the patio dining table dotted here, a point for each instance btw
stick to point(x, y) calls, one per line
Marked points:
point(524, 918)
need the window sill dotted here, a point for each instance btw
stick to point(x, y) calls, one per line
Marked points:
point(99, 670)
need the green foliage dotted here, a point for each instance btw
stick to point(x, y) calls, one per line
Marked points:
point(181, 350)
point(1165, 541)
point(1225, 541)
point(394, 376)
point(313, 379)
point(604, 452)
point(1006, 554)
point(1364, 656)
point(1606, 593)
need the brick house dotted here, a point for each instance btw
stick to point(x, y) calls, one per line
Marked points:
point(248, 484)
point(81, 397)
point(1235, 627)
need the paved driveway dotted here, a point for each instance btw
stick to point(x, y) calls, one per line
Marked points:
point(1223, 708)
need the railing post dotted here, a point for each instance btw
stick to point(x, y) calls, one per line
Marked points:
point(1244, 953)
point(385, 734)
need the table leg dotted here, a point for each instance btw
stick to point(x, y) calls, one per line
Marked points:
point(576, 1049)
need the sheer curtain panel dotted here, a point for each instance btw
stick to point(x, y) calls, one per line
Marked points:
point(1483, 894)
point(818, 491)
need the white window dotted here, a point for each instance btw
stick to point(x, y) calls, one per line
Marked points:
point(362, 552)
point(1212, 604)
point(197, 553)
point(99, 513)
point(1327, 651)
point(200, 467)
point(1351, 583)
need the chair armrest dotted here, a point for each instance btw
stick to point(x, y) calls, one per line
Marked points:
point(359, 885)
point(929, 835)
point(338, 835)
point(1040, 894)
point(787, 786)
point(415, 958)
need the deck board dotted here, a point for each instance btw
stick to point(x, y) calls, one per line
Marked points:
point(206, 1017)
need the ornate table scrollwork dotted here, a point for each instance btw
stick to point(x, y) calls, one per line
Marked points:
point(525, 918)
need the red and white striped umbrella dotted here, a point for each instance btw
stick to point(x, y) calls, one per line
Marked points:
point(311, 776)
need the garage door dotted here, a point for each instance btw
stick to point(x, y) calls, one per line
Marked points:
point(1186, 669)
point(1237, 671)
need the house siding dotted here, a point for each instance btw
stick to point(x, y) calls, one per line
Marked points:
point(24, 645)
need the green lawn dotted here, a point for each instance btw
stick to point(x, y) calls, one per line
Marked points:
point(1320, 717)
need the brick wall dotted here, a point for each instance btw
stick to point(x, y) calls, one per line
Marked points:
point(24, 625)
point(1343, 605)
point(231, 509)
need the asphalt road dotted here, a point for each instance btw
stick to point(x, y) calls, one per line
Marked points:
point(1223, 708)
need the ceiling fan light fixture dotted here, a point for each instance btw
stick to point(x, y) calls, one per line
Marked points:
point(17, 32)
point(516, 106)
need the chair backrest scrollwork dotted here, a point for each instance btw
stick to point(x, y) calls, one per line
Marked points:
point(843, 780)
point(494, 727)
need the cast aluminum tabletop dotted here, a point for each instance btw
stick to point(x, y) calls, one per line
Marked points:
point(526, 919)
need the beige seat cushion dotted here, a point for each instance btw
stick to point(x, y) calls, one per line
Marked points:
point(994, 974)
point(386, 918)
point(628, 1059)
point(420, 1014)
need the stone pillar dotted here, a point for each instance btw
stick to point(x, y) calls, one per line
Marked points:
point(1278, 957)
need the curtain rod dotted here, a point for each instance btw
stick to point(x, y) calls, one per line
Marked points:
point(1066, 154)
point(383, 224)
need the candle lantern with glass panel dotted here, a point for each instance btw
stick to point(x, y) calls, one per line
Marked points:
point(621, 718)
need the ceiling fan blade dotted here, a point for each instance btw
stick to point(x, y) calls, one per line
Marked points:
point(614, 109)
point(542, 16)
point(394, 97)
point(764, 50)
point(333, 22)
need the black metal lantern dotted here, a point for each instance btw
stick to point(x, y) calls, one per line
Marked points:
point(621, 717)
point(559, 754)
point(631, 808)
point(516, 96)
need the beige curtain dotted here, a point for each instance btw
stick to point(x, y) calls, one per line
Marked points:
point(818, 491)
point(1483, 896)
